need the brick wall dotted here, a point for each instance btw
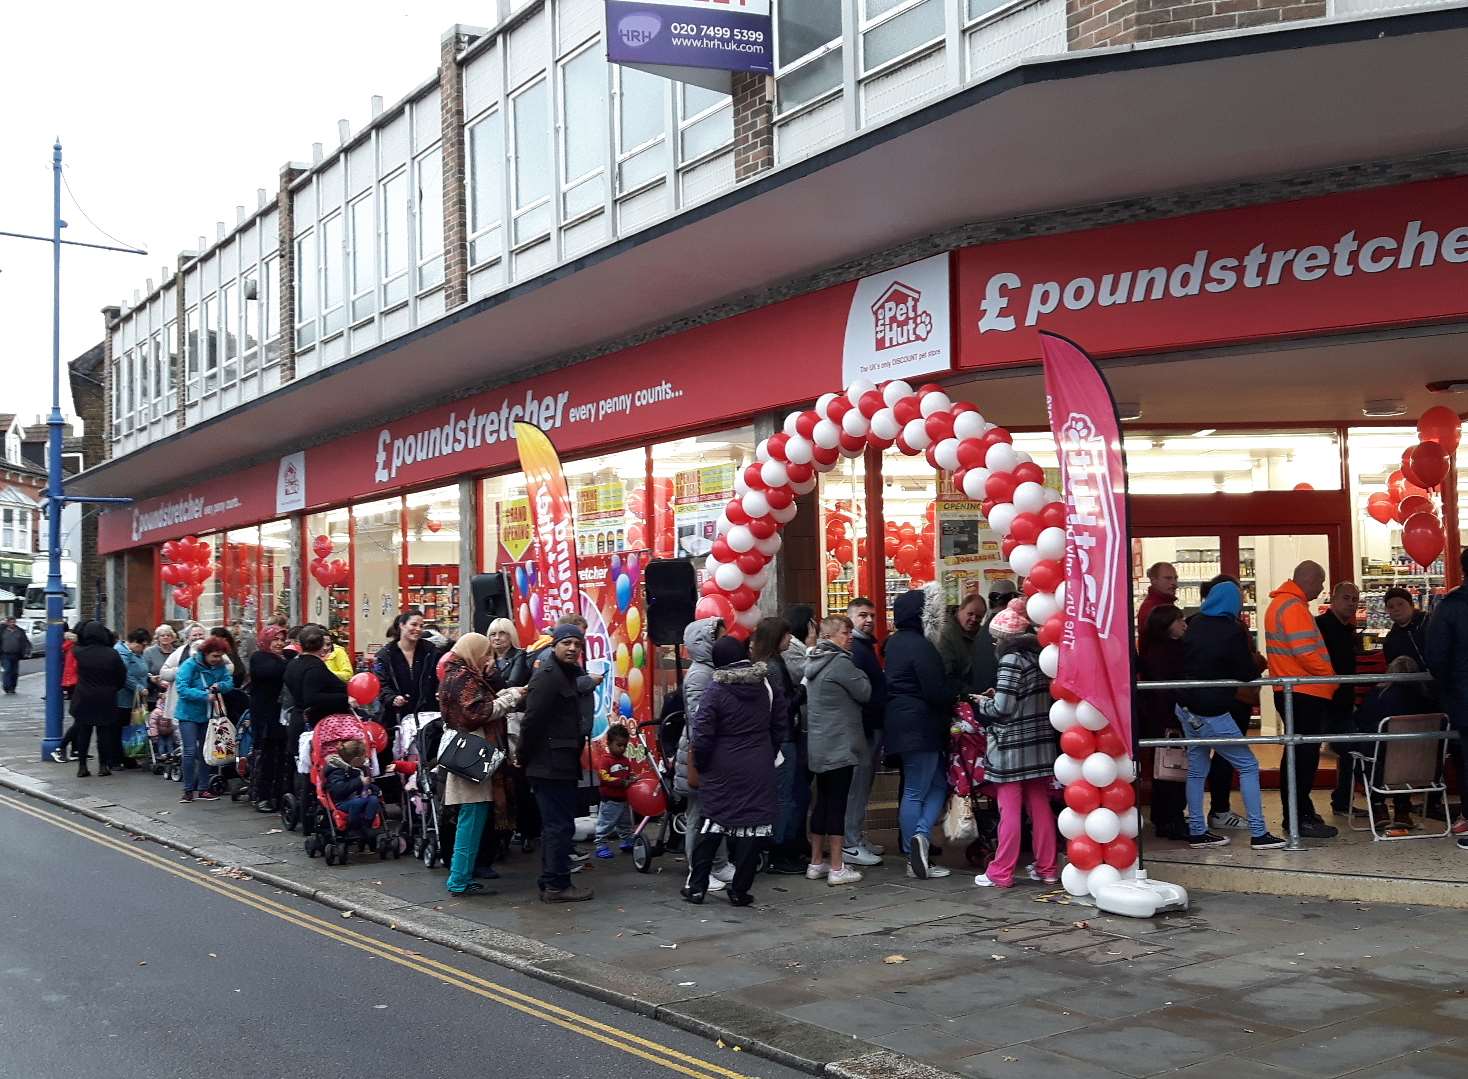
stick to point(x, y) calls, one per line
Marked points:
point(754, 130)
point(178, 362)
point(455, 196)
point(1092, 24)
point(110, 315)
point(285, 219)
point(89, 399)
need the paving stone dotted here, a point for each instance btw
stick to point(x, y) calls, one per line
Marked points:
point(863, 1016)
point(943, 1043)
point(1029, 1062)
point(1002, 984)
point(1161, 1040)
point(1024, 1022)
point(1300, 1004)
point(1342, 1047)
point(1223, 974)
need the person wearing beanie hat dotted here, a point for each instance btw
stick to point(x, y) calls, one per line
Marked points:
point(269, 770)
point(1020, 759)
point(735, 735)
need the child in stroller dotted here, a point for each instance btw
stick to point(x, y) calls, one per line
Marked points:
point(346, 781)
point(163, 744)
point(335, 831)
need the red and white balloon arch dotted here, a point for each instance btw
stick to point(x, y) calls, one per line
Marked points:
point(1100, 820)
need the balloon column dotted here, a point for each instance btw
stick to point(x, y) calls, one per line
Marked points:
point(1407, 499)
point(188, 563)
point(328, 572)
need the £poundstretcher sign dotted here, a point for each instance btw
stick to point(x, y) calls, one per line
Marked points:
point(1382, 257)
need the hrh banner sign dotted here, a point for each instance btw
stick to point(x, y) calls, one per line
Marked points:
point(722, 35)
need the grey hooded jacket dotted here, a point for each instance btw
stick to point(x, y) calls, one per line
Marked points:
point(835, 691)
point(698, 639)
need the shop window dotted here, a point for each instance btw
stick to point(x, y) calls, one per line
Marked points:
point(362, 258)
point(605, 492)
point(430, 574)
point(486, 188)
point(395, 238)
point(693, 480)
point(377, 555)
point(910, 537)
point(505, 524)
point(209, 610)
point(239, 570)
point(808, 51)
point(329, 604)
point(846, 556)
point(278, 572)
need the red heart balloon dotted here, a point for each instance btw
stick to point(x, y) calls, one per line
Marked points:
point(1422, 538)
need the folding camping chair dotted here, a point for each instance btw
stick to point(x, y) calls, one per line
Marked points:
point(1385, 769)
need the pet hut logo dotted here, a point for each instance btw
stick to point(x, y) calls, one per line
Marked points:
point(898, 318)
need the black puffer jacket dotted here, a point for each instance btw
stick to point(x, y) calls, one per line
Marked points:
point(1447, 654)
point(314, 689)
point(919, 704)
point(1213, 648)
point(550, 733)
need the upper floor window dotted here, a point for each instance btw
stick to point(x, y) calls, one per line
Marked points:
point(332, 252)
point(486, 187)
point(306, 276)
point(429, 213)
point(532, 156)
point(706, 121)
point(272, 309)
point(395, 238)
point(894, 28)
point(362, 257)
point(807, 51)
point(250, 329)
point(229, 334)
point(583, 130)
point(642, 127)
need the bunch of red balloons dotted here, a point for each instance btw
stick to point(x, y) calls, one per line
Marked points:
point(189, 562)
point(328, 572)
point(652, 513)
point(1407, 499)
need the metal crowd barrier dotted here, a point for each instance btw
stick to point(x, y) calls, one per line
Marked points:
point(1289, 739)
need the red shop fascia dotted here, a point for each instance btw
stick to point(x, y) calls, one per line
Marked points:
point(1381, 257)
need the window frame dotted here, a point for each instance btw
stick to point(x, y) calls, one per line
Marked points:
point(332, 252)
point(193, 365)
point(686, 125)
point(813, 56)
point(424, 268)
point(567, 183)
point(498, 155)
point(210, 366)
point(228, 343)
point(308, 270)
point(249, 346)
point(395, 284)
point(624, 153)
point(866, 25)
point(357, 291)
point(518, 213)
point(270, 318)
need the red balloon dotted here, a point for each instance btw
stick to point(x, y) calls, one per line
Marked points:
point(646, 797)
point(844, 551)
point(203, 552)
point(752, 477)
point(1047, 575)
point(1007, 546)
point(777, 445)
point(1052, 630)
point(824, 456)
point(1422, 538)
point(170, 551)
point(1413, 504)
point(751, 562)
point(716, 606)
point(799, 473)
point(182, 597)
point(971, 453)
point(780, 498)
point(906, 559)
point(1026, 527)
point(1429, 463)
point(1078, 743)
point(1000, 486)
point(1407, 470)
point(1440, 424)
point(363, 688)
point(1118, 797)
point(743, 597)
point(1396, 485)
point(833, 569)
point(861, 547)
point(836, 409)
point(1109, 742)
point(322, 546)
point(906, 410)
point(735, 512)
point(806, 424)
point(763, 527)
point(740, 633)
point(852, 443)
point(340, 572)
point(890, 543)
point(986, 507)
point(1053, 515)
point(927, 388)
point(907, 531)
point(995, 435)
point(1063, 693)
point(710, 586)
point(870, 403)
point(721, 551)
point(1382, 511)
point(376, 734)
point(1083, 852)
point(939, 426)
point(1081, 796)
point(1120, 853)
point(963, 406)
point(1029, 472)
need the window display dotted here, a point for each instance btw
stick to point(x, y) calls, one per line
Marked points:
point(239, 584)
point(328, 594)
point(909, 540)
point(693, 480)
point(377, 556)
point(845, 554)
point(430, 576)
point(278, 572)
point(608, 496)
point(504, 520)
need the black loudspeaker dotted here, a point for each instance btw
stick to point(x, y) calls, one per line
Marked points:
point(672, 592)
point(491, 593)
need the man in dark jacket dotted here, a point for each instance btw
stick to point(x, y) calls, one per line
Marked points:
point(1338, 629)
point(919, 712)
point(1447, 659)
point(1408, 635)
point(15, 645)
point(550, 750)
point(314, 689)
point(857, 849)
point(1213, 649)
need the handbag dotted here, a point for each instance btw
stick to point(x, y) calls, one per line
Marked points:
point(958, 820)
point(140, 710)
point(469, 756)
point(221, 744)
point(1170, 763)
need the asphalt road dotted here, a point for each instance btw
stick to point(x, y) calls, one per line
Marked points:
point(121, 959)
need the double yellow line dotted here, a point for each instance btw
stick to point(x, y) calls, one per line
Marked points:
point(614, 1037)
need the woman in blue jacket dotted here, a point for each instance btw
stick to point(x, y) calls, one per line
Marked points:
point(201, 679)
point(138, 681)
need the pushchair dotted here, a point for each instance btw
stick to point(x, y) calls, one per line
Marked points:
point(165, 763)
point(407, 764)
point(333, 834)
point(298, 806)
point(662, 763)
point(967, 744)
point(435, 835)
point(236, 704)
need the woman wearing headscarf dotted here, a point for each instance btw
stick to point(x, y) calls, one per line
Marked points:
point(406, 669)
point(473, 698)
point(1020, 760)
point(268, 775)
point(100, 676)
point(736, 733)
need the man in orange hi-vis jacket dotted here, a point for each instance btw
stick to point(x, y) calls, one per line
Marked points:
point(1296, 649)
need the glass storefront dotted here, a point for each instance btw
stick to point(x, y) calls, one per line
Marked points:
point(692, 482)
point(430, 572)
point(377, 556)
point(329, 596)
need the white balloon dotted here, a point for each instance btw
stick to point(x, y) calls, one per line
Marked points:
point(755, 504)
point(786, 515)
point(1040, 608)
point(1060, 595)
point(1002, 516)
point(740, 539)
point(790, 421)
point(1000, 458)
point(798, 451)
point(768, 547)
point(1131, 823)
point(1067, 770)
point(1126, 769)
point(946, 454)
point(1051, 543)
point(824, 402)
point(1050, 660)
point(855, 424)
point(916, 435)
point(826, 435)
point(895, 391)
point(968, 425)
point(711, 565)
point(1023, 558)
point(1052, 495)
point(805, 487)
point(728, 576)
point(973, 483)
point(885, 424)
point(1062, 715)
point(760, 579)
point(722, 525)
point(1074, 879)
point(762, 451)
point(1071, 824)
point(1103, 825)
point(1089, 716)
point(857, 388)
point(1103, 876)
point(1029, 497)
point(1022, 457)
point(741, 485)
point(774, 474)
point(749, 618)
point(1099, 770)
point(934, 401)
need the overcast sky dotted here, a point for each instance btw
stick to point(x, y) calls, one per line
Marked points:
point(170, 114)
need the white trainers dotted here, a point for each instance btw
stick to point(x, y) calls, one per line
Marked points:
point(844, 875)
point(917, 856)
point(715, 884)
point(1034, 875)
point(1227, 818)
point(860, 856)
point(723, 873)
point(873, 848)
point(816, 872)
point(935, 872)
point(982, 881)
